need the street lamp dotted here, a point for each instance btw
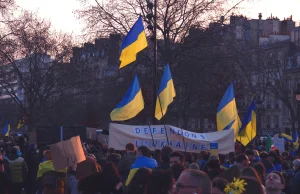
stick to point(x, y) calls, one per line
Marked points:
point(297, 95)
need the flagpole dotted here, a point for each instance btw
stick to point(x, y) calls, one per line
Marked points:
point(155, 67)
point(155, 64)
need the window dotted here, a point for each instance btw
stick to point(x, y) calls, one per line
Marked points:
point(276, 121)
point(268, 121)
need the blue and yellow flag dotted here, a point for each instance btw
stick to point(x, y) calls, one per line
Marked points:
point(293, 139)
point(248, 130)
point(6, 129)
point(134, 42)
point(20, 124)
point(131, 104)
point(227, 114)
point(166, 93)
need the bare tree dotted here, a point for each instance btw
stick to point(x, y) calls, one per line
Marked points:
point(33, 71)
point(174, 19)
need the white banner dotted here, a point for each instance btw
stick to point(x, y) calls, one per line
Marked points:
point(279, 144)
point(120, 135)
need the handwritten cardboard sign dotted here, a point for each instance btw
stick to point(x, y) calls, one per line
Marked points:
point(67, 153)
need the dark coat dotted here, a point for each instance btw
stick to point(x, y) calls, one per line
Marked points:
point(125, 165)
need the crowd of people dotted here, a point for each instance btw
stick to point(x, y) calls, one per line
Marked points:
point(29, 169)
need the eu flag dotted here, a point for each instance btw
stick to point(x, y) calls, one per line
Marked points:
point(131, 104)
point(134, 42)
point(6, 129)
point(248, 130)
point(166, 93)
point(227, 114)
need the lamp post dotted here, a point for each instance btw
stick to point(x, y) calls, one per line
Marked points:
point(152, 21)
point(297, 95)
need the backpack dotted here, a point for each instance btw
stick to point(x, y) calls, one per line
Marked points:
point(51, 179)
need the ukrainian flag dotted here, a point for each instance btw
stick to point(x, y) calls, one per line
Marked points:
point(6, 129)
point(248, 130)
point(131, 104)
point(227, 114)
point(293, 138)
point(20, 124)
point(166, 93)
point(134, 42)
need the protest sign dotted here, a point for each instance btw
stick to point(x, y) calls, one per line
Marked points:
point(279, 144)
point(120, 135)
point(91, 133)
point(67, 153)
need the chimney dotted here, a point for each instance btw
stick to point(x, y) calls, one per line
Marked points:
point(259, 16)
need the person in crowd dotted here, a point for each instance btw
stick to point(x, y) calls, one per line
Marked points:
point(193, 182)
point(229, 162)
point(203, 158)
point(19, 170)
point(263, 156)
point(100, 183)
point(5, 179)
point(274, 183)
point(142, 161)
point(71, 181)
point(213, 167)
point(160, 182)
point(251, 172)
point(47, 172)
point(87, 167)
point(261, 171)
point(156, 156)
point(275, 159)
point(176, 170)
point(187, 159)
point(219, 185)
point(165, 157)
point(284, 155)
point(268, 166)
point(139, 181)
point(250, 155)
point(288, 174)
point(241, 161)
point(194, 166)
point(252, 186)
point(7, 167)
point(32, 160)
point(295, 188)
point(126, 162)
point(194, 157)
point(176, 158)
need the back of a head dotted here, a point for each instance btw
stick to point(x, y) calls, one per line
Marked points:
point(219, 183)
point(260, 169)
point(253, 186)
point(263, 155)
point(165, 153)
point(14, 150)
point(194, 166)
point(110, 169)
point(177, 154)
point(200, 179)
point(144, 150)
point(138, 183)
point(130, 147)
point(251, 172)
point(249, 152)
point(160, 182)
point(176, 170)
point(240, 158)
point(48, 155)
